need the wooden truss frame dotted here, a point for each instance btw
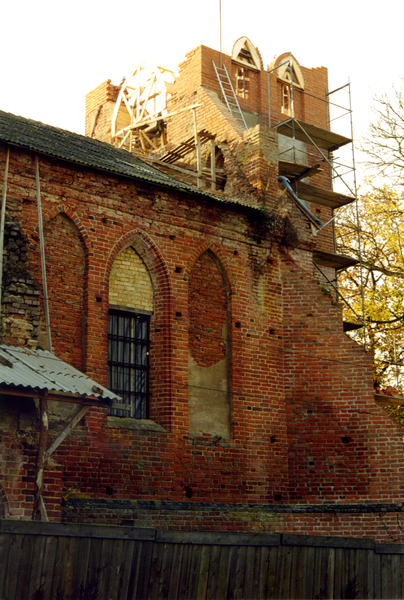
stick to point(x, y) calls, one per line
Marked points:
point(137, 120)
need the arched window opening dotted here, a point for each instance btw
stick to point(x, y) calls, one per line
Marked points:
point(131, 305)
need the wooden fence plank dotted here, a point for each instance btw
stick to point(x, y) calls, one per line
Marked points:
point(361, 571)
point(203, 572)
point(58, 571)
point(295, 592)
point(94, 561)
point(231, 571)
point(104, 567)
point(155, 571)
point(193, 573)
point(82, 559)
point(301, 582)
point(402, 576)
point(49, 565)
point(144, 570)
point(256, 572)
point(5, 542)
point(166, 567)
point(26, 559)
point(285, 572)
point(324, 561)
point(135, 571)
point(213, 578)
point(313, 576)
point(368, 591)
point(384, 576)
point(263, 573)
point(339, 572)
point(223, 568)
point(377, 576)
point(330, 573)
point(273, 571)
point(250, 573)
point(126, 565)
point(239, 575)
point(182, 588)
point(175, 576)
point(115, 570)
point(14, 549)
point(70, 585)
point(35, 576)
point(395, 576)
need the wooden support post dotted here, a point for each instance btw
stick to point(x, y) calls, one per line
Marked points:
point(2, 220)
point(213, 164)
point(39, 510)
point(63, 435)
point(198, 151)
point(42, 246)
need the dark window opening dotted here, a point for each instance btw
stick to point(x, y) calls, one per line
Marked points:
point(128, 362)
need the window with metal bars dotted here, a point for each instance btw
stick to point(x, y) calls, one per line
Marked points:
point(128, 362)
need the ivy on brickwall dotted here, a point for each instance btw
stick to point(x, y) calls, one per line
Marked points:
point(269, 226)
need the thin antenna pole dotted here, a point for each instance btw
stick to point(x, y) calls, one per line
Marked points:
point(42, 246)
point(3, 215)
point(220, 28)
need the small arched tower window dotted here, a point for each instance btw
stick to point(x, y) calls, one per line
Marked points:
point(289, 73)
point(245, 54)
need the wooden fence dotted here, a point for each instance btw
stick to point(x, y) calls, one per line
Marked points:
point(87, 562)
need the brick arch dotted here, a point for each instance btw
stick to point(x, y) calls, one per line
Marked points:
point(222, 262)
point(72, 216)
point(149, 253)
point(160, 334)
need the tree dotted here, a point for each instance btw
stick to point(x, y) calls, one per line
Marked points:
point(384, 142)
point(381, 217)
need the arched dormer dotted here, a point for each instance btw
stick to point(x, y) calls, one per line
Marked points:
point(245, 54)
point(287, 72)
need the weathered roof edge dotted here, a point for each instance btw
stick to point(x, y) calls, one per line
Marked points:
point(41, 371)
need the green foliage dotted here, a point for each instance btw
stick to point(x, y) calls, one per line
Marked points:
point(382, 242)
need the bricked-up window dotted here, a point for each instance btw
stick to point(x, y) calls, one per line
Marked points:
point(128, 362)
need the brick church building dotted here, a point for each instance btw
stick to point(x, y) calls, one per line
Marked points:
point(189, 253)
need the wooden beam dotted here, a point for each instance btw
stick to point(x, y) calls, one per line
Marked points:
point(58, 397)
point(63, 435)
point(213, 163)
point(383, 400)
point(198, 151)
point(39, 511)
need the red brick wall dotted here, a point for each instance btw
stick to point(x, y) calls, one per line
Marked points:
point(278, 350)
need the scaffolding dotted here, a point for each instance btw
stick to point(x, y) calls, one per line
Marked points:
point(311, 148)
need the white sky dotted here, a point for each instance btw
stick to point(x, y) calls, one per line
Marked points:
point(53, 53)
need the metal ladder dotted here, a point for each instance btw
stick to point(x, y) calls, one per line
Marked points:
point(228, 94)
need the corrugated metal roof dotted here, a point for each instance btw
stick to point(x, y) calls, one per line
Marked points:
point(40, 371)
point(92, 153)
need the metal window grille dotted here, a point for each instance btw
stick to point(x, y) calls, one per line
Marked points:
point(128, 362)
